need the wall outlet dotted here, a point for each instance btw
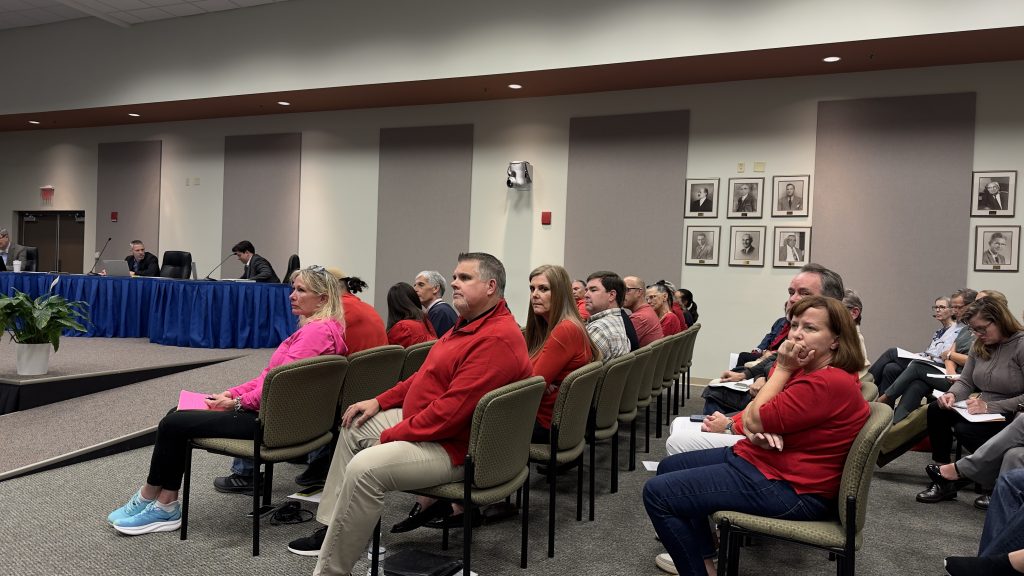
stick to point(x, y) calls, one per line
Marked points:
point(741, 167)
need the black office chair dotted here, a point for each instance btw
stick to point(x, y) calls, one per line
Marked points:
point(177, 264)
point(293, 265)
point(31, 263)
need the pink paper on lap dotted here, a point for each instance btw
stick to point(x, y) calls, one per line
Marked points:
point(192, 401)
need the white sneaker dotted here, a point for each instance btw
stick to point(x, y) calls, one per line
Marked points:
point(664, 561)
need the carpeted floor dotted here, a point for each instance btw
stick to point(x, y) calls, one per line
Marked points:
point(54, 523)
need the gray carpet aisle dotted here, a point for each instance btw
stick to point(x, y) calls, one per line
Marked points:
point(54, 523)
point(44, 432)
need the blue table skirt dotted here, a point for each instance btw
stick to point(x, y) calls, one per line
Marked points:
point(197, 314)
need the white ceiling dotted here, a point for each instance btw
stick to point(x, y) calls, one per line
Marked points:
point(23, 13)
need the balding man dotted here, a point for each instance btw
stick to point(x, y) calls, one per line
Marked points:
point(429, 286)
point(644, 318)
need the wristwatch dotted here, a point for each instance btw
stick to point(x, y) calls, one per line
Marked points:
point(238, 404)
point(728, 427)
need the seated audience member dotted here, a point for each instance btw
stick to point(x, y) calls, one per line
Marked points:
point(140, 262)
point(685, 298)
point(659, 298)
point(645, 321)
point(889, 365)
point(853, 303)
point(579, 290)
point(364, 328)
point(232, 413)
point(994, 295)
point(607, 326)
point(676, 308)
point(1000, 454)
point(995, 368)
point(797, 433)
point(430, 287)
point(914, 385)
point(407, 324)
point(416, 434)
point(257, 268)
point(1001, 552)
point(769, 344)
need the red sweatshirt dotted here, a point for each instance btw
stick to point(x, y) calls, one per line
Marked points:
point(566, 349)
point(364, 328)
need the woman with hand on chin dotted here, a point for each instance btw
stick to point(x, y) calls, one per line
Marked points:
point(797, 433)
point(316, 300)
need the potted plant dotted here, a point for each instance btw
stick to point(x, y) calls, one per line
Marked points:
point(35, 325)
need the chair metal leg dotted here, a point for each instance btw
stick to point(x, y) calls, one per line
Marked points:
point(687, 383)
point(185, 489)
point(657, 427)
point(375, 553)
point(257, 487)
point(632, 443)
point(551, 505)
point(593, 473)
point(525, 519)
point(615, 465)
point(579, 488)
point(723, 547)
point(647, 429)
point(467, 515)
point(668, 402)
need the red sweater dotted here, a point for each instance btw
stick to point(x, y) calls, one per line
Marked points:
point(819, 415)
point(405, 333)
point(647, 325)
point(670, 324)
point(566, 349)
point(581, 305)
point(467, 362)
point(677, 309)
point(364, 328)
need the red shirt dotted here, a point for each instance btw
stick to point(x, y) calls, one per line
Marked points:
point(566, 349)
point(670, 324)
point(819, 415)
point(581, 305)
point(677, 309)
point(647, 325)
point(364, 328)
point(467, 362)
point(405, 333)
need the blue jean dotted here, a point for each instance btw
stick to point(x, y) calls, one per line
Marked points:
point(243, 466)
point(692, 485)
point(1004, 521)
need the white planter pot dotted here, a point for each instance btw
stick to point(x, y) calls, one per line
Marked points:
point(33, 359)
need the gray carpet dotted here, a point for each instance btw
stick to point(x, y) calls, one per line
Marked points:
point(54, 430)
point(54, 523)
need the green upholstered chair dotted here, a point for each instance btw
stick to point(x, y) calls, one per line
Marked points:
point(634, 397)
point(603, 423)
point(414, 357)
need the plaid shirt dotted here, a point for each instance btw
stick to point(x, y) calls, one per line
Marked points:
point(608, 333)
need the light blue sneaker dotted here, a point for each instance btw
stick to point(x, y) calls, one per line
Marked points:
point(135, 505)
point(152, 519)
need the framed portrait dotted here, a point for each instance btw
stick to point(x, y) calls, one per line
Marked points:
point(994, 193)
point(702, 245)
point(701, 198)
point(996, 248)
point(747, 246)
point(791, 195)
point(745, 196)
point(792, 246)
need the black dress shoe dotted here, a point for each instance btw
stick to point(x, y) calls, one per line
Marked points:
point(438, 509)
point(456, 520)
point(937, 492)
point(981, 502)
point(316, 473)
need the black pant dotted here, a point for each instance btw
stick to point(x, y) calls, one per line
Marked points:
point(167, 464)
point(944, 424)
point(887, 369)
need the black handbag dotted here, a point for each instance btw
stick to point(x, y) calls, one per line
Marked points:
point(419, 563)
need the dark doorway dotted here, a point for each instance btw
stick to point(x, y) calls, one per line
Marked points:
point(59, 236)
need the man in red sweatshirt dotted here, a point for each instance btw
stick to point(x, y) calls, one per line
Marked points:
point(416, 434)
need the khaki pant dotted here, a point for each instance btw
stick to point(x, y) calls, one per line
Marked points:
point(362, 471)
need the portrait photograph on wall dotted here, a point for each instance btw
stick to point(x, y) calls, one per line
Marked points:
point(701, 198)
point(792, 246)
point(745, 196)
point(996, 248)
point(747, 246)
point(994, 193)
point(702, 245)
point(791, 195)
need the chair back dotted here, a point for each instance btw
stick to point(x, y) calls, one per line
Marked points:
point(300, 400)
point(499, 438)
point(608, 395)
point(371, 372)
point(176, 264)
point(868, 390)
point(633, 391)
point(691, 341)
point(672, 353)
point(661, 353)
point(652, 365)
point(572, 407)
point(293, 265)
point(860, 463)
point(31, 263)
point(414, 357)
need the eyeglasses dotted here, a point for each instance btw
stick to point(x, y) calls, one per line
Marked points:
point(317, 269)
point(940, 307)
point(632, 289)
point(980, 330)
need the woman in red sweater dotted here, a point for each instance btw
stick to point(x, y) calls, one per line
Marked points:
point(555, 337)
point(798, 431)
point(660, 298)
point(407, 324)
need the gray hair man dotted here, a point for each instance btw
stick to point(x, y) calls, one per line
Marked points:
point(430, 286)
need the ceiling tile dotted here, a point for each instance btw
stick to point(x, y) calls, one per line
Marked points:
point(182, 9)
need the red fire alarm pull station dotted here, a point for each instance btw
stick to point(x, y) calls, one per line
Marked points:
point(545, 218)
point(113, 216)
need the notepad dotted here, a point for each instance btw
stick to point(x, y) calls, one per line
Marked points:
point(192, 401)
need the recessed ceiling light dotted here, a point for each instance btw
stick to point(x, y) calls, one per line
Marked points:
point(831, 59)
point(33, 121)
point(515, 86)
point(283, 103)
point(133, 114)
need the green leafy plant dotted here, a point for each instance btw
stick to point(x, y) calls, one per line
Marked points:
point(42, 320)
